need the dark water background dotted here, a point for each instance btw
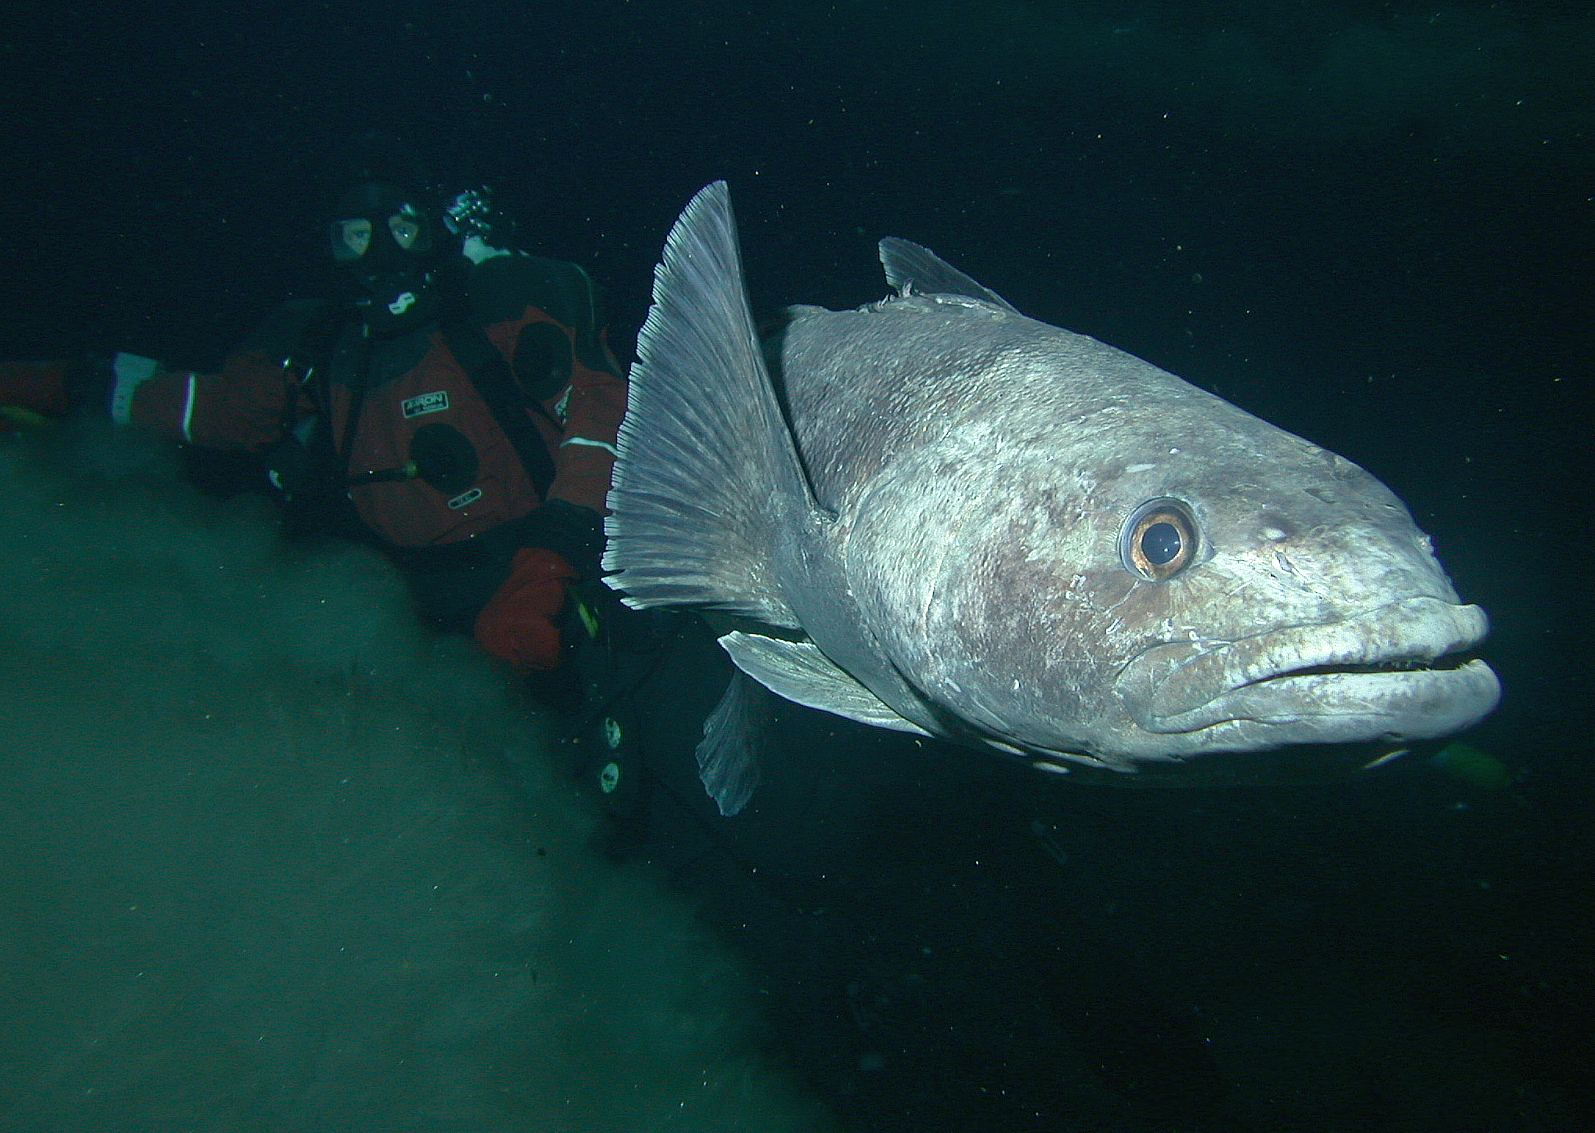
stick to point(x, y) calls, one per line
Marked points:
point(1370, 223)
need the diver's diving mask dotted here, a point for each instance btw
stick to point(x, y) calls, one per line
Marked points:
point(407, 228)
point(379, 224)
point(390, 248)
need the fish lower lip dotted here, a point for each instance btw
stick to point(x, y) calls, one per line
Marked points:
point(1406, 703)
point(1399, 669)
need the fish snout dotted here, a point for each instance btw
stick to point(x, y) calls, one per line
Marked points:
point(1398, 670)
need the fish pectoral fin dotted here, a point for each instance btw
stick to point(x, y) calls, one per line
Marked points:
point(733, 740)
point(707, 480)
point(798, 671)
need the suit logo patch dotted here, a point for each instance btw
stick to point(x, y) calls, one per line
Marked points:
point(424, 403)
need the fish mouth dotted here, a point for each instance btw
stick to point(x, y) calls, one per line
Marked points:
point(1399, 671)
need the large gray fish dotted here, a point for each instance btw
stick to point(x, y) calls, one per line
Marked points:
point(946, 518)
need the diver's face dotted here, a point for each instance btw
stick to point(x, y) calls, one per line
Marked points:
point(378, 243)
point(385, 241)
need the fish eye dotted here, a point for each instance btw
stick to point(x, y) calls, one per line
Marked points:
point(1158, 540)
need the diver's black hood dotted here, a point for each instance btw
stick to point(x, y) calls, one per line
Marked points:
point(391, 303)
point(390, 243)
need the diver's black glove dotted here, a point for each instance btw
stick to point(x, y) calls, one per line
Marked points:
point(89, 383)
point(94, 381)
point(575, 533)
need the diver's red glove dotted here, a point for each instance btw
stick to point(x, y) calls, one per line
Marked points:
point(37, 388)
point(519, 624)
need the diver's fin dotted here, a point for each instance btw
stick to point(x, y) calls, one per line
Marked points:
point(910, 267)
point(707, 474)
point(733, 740)
point(798, 671)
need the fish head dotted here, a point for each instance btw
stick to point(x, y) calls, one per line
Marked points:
point(1166, 578)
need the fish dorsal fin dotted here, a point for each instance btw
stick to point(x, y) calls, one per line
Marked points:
point(910, 267)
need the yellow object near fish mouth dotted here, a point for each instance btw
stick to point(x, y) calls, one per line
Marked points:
point(22, 418)
point(1473, 765)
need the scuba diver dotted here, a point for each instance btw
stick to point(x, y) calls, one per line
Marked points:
point(458, 401)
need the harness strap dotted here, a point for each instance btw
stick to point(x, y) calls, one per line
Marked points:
point(485, 368)
point(495, 382)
